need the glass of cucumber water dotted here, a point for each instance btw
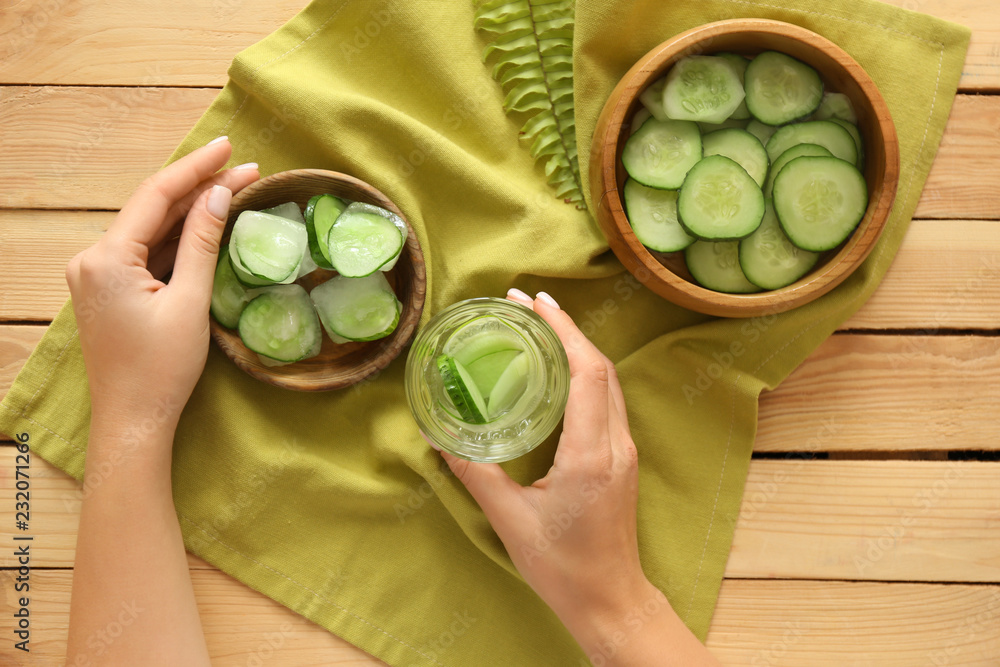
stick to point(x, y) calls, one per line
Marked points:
point(487, 379)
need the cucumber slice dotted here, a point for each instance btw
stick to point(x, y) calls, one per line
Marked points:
point(357, 308)
point(289, 210)
point(652, 99)
point(482, 337)
point(640, 117)
point(769, 260)
point(823, 133)
point(462, 391)
point(510, 385)
point(781, 89)
point(856, 135)
point(739, 65)
point(716, 266)
point(801, 150)
point(485, 371)
point(819, 201)
point(653, 216)
point(229, 296)
point(704, 88)
point(741, 147)
point(281, 324)
point(247, 278)
point(761, 131)
point(836, 105)
point(661, 153)
point(719, 200)
point(364, 239)
point(268, 246)
point(707, 128)
point(321, 212)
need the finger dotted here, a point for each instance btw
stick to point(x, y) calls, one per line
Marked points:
point(489, 485)
point(235, 179)
point(198, 250)
point(615, 387)
point(517, 296)
point(162, 260)
point(145, 212)
point(587, 411)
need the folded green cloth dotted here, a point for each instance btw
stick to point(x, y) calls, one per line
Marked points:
point(331, 503)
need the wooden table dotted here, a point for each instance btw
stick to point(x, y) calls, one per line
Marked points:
point(870, 530)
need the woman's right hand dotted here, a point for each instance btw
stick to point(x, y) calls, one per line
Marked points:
point(572, 534)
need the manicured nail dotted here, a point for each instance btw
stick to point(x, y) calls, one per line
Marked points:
point(429, 441)
point(218, 201)
point(245, 165)
point(217, 140)
point(517, 295)
point(547, 300)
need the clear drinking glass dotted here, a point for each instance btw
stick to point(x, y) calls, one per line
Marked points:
point(528, 420)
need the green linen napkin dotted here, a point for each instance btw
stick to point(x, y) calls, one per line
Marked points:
point(331, 503)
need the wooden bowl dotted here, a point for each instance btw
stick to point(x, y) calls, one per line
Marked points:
point(338, 365)
point(667, 275)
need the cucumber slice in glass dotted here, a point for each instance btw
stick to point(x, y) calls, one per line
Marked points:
point(364, 239)
point(653, 216)
point(244, 276)
point(769, 260)
point(281, 324)
point(660, 153)
point(481, 337)
point(357, 308)
point(321, 212)
point(485, 371)
point(229, 295)
point(741, 147)
point(462, 390)
point(268, 246)
point(720, 201)
point(716, 266)
point(819, 201)
point(703, 88)
point(781, 89)
point(510, 385)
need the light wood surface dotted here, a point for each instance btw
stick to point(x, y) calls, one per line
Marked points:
point(102, 93)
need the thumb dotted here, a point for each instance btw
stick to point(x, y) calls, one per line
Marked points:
point(489, 485)
point(198, 251)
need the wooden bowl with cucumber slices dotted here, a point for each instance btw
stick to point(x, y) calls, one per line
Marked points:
point(337, 364)
point(797, 211)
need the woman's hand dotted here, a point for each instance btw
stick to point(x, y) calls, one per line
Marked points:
point(145, 342)
point(572, 534)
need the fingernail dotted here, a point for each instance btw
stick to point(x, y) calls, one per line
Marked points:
point(547, 300)
point(245, 165)
point(217, 140)
point(429, 441)
point(218, 201)
point(518, 295)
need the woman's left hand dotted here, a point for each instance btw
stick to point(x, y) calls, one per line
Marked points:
point(145, 341)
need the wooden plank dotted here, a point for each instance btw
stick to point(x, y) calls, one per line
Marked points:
point(183, 43)
point(945, 275)
point(92, 146)
point(884, 520)
point(86, 147)
point(865, 392)
point(756, 623)
point(855, 393)
point(242, 626)
point(962, 255)
point(869, 520)
point(50, 42)
point(33, 272)
point(820, 623)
